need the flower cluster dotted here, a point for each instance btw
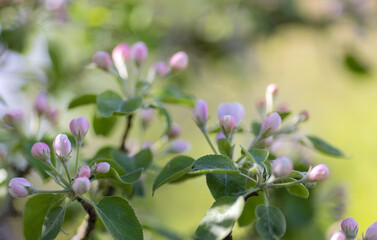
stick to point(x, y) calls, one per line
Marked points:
point(350, 229)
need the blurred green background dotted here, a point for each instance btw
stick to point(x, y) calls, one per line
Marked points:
point(320, 53)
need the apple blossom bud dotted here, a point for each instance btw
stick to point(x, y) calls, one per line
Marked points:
point(84, 171)
point(41, 103)
point(272, 89)
point(338, 235)
point(175, 131)
point(120, 55)
point(41, 151)
point(53, 115)
point(102, 167)
point(178, 61)
point(271, 124)
point(350, 227)
point(13, 118)
point(371, 233)
point(282, 108)
point(220, 135)
point(227, 124)
point(139, 52)
point(20, 187)
point(79, 127)
point(303, 116)
point(81, 185)
point(319, 173)
point(261, 106)
point(161, 68)
point(62, 146)
point(282, 166)
point(179, 146)
point(236, 110)
point(146, 116)
point(271, 93)
point(200, 113)
point(102, 60)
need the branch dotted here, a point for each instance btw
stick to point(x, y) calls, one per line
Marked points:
point(126, 132)
point(91, 221)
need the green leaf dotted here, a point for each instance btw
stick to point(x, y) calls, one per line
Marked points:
point(248, 213)
point(113, 164)
point(36, 209)
point(255, 128)
point(53, 223)
point(109, 103)
point(176, 168)
point(224, 147)
point(214, 164)
point(284, 115)
point(355, 63)
point(115, 179)
point(119, 218)
point(324, 147)
point(155, 226)
point(132, 177)
point(172, 94)
point(225, 184)
point(255, 155)
point(143, 159)
point(270, 223)
point(82, 100)
point(220, 218)
point(298, 190)
point(166, 115)
point(103, 126)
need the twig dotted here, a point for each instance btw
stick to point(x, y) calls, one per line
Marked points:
point(91, 221)
point(126, 132)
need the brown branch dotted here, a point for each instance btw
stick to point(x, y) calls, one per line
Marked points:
point(229, 237)
point(91, 221)
point(126, 132)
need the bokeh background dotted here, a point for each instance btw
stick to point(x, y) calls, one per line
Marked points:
point(320, 53)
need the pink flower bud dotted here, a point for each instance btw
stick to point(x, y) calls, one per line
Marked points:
point(20, 187)
point(102, 60)
point(271, 124)
point(178, 61)
point(139, 52)
point(371, 233)
point(53, 115)
point(179, 146)
point(282, 108)
point(303, 116)
point(81, 185)
point(84, 171)
point(41, 151)
point(121, 51)
point(79, 127)
point(350, 227)
point(147, 116)
point(220, 135)
point(227, 124)
point(13, 118)
point(102, 167)
point(338, 235)
point(175, 131)
point(272, 89)
point(319, 173)
point(282, 166)
point(236, 110)
point(41, 103)
point(62, 146)
point(200, 113)
point(161, 68)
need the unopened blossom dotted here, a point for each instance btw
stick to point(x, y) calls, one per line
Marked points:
point(102, 167)
point(161, 68)
point(41, 105)
point(139, 52)
point(350, 227)
point(102, 60)
point(282, 166)
point(338, 235)
point(371, 233)
point(319, 173)
point(120, 54)
point(79, 127)
point(236, 110)
point(41, 151)
point(81, 185)
point(13, 118)
point(179, 146)
point(178, 61)
point(146, 116)
point(271, 124)
point(62, 145)
point(227, 124)
point(175, 131)
point(20, 187)
point(200, 113)
point(84, 171)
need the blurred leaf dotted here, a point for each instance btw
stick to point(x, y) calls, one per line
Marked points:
point(103, 126)
point(355, 64)
point(36, 209)
point(255, 128)
point(271, 223)
point(2, 101)
point(132, 177)
point(82, 100)
point(324, 147)
point(172, 94)
point(53, 223)
point(109, 103)
point(256, 155)
point(143, 159)
point(248, 213)
point(214, 163)
point(225, 184)
point(225, 147)
point(130, 105)
point(156, 227)
point(122, 158)
point(164, 113)
point(284, 115)
point(138, 189)
point(176, 168)
point(119, 218)
point(298, 190)
point(220, 218)
point(115, 179)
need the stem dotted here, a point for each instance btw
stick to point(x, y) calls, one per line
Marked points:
point(266, 201)
point(248, 177)
point(204, 131)
point(88, 206)
point(53, 191)
point(60, 176)
point(126, 132)
point(77, 157)
point(65, 165)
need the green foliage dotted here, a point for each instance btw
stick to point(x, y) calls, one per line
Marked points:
point(115, 179)
point(132, 177)
point(82, 100)
point(220, 218)
point(172, 94)
point(176, 168)
point(225, 148)
point(119, 218)
point(36, 209)
point(255, 128)
point(298, 190)
point(214, 164)
point(110, 103)
point(270, 222)
point(256, 155)
point(142, 159)
point(53, 223)
point(166, 115)
point(324, 147)
point(248, 213)
point(103, 125)
point(225, 184)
